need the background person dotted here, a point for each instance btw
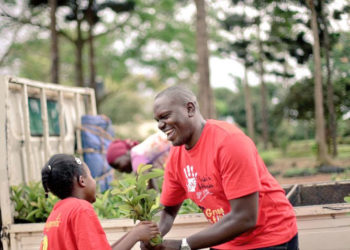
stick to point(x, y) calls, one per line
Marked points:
point(73, 223)
point(127, 155)
point(217, 166)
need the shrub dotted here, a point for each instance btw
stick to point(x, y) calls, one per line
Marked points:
point(293, 172)
point(137, 201)
point(30, 203)
point(189, 207)
point(268, 159)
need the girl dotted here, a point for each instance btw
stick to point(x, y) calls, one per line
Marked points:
point(73, 223)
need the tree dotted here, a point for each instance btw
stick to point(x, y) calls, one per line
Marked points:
point(330, 93)
point(323, 157)
point(238, 23)
point(54, 43)
point(206, 100)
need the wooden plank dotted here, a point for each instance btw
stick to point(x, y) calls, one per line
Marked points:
point(78, 124)
point(5, 202)
point(61, 120)
point(27, 137)
point(326, 234)
point(93, 103)
point(55, 87)
point(336, 208)
point(45, 120)
point(292, 191)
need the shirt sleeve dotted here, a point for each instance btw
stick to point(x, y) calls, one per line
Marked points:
point(238, 167)
point(173, 192)
point(89, 232)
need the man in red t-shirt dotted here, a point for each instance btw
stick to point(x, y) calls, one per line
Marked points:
point(218, 167)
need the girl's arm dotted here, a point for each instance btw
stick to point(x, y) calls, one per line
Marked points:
point(144, 231)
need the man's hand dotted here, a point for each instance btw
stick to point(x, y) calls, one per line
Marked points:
point(169, 245)
point(145, 246)
point(166, 245)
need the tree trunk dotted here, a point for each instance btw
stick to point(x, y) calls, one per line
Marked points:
point(206, 99)
point(323, 157)
point(248, 106)
point(264, 115)
point(54, 43)
point(79, 44)
point(92, 69)
point(332, 126)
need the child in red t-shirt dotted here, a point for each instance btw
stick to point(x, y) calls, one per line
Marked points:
point(73, 223)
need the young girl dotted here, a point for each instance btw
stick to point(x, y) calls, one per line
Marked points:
point(73, 223)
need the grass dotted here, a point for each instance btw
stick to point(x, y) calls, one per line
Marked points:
point(300, 160)
point(343, 151)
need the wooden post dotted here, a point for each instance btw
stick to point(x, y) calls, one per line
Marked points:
point(44, 118)
point(27, 137)
point(62, 124)
point(5, 202)
point(78, 123)
point(93, 103)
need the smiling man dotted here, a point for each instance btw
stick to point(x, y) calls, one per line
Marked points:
point(217, 166)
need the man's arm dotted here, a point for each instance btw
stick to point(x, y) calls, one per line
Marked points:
point(167, 218)
point(242, 217)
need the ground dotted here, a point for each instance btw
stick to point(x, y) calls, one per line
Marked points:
point(283, 164)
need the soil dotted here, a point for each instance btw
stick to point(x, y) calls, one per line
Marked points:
point(281, 165)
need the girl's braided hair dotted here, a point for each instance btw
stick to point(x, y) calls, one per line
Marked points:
point(58, 174)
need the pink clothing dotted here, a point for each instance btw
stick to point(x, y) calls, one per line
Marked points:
point(224, 165)
point(154, 149)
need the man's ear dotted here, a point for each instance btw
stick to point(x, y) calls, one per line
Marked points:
point(81, 181)
point(191, 109)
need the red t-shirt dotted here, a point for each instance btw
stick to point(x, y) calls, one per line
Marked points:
point(72, 225)
point(224, 165)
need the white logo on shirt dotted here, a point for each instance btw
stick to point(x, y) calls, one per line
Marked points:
point(191, 178)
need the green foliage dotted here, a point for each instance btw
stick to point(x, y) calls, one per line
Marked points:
point(347, 199)
point(268, 160)
point(105, 205)
point(293, 172)
point(137, 201)
point(30, 204)
point(189, 207)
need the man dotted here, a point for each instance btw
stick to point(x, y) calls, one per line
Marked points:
point(217, 166)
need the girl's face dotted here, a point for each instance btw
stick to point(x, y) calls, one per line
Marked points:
point(90, 188)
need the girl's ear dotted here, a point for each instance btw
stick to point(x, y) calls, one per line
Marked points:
point(81, 181)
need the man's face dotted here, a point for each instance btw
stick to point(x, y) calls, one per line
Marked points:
point(90, 190)
point(173, 119)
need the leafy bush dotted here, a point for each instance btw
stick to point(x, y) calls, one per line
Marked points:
point(189, 207)
point(137, 201)
point(105, 205)
point(30, 203)
point(347, 199)
point(268, 160)
point(293, 172)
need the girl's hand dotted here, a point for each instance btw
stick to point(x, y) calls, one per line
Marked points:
point(146, 230)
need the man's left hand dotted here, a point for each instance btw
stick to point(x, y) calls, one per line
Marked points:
point(169, 245)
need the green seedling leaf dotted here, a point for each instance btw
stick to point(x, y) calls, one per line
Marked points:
point(125, 191)
point(142, 168)
point(144, 178)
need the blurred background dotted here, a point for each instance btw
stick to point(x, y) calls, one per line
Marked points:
point(278, 69)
